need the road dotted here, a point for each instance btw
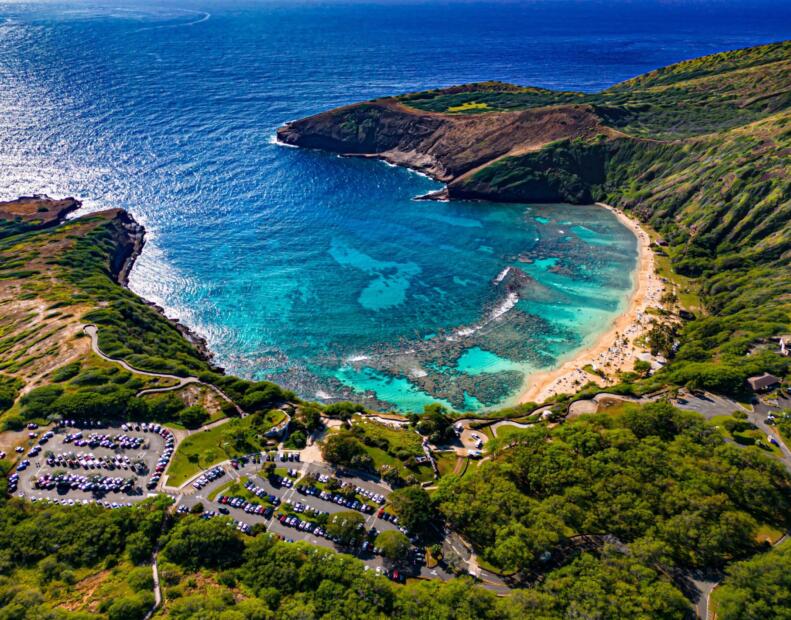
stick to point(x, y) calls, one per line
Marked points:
point(711, 405)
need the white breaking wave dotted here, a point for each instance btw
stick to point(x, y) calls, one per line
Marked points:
point(501, 276)
point(509, 302)
point(273, 139)
point(357, 358)
point(499, 310)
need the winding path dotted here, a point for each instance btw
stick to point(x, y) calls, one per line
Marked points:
point(180, 381)
point(157, 589)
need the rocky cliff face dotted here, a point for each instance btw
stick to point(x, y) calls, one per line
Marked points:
point(445, 146)
point(129, 237)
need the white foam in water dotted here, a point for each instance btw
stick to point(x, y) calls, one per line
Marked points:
point(501, 276)
point(357, 358)
point(273, 139)
point(507, 304)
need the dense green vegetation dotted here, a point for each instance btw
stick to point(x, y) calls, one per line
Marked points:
point(654, 477)
point(264, 578)
point(757, 588)
point(97, 389)
point(9, 389)
point(48, 552)
point(129, 328)
point(51, 556)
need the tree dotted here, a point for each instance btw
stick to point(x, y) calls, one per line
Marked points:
point(195, 543)
point(413, 507)
point(394, 545)
point(263, 396)
point(436, 423)
point(347, 526)
point(165, 407)
point(342, 448)
point(757, 588)
point(296, 440)
point(642, 368)
point(139, 548)
point(37, 402)
point(343, 410)
point(311, 417)
point(193, 417)
point(128, 608)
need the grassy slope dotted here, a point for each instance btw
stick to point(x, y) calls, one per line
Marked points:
point(690, 98)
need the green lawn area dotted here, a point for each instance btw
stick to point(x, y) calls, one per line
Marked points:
point(202, 449)
point(469, 106)
point(686, 289)
point(283, 473)
point(380, 457)
point(406, 441)
point(237, 489)
point(233, 488)
point(401, 444)
point(446, 462)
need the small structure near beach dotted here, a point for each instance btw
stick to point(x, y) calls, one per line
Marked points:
point(763, 382)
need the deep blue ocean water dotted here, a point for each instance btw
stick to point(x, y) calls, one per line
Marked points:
point(320, 272)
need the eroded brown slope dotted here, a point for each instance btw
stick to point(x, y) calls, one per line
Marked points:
point(446, 146)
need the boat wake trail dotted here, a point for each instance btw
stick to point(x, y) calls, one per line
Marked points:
point(203, 16)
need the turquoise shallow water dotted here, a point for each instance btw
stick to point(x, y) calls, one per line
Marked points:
point(315, 271)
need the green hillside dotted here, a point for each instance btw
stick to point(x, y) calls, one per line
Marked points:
point(690, 98)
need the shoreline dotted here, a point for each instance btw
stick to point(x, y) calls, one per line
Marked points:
point(615, 350)
point(136, 235)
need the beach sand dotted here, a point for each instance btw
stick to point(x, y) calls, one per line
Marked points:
point(615, 350)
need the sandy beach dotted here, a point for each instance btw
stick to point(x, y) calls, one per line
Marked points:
point(615, 350)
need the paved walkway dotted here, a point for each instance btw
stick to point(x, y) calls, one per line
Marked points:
point(157, 589)
point(180, 381)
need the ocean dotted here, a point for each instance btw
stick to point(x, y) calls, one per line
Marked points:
point(318, 272)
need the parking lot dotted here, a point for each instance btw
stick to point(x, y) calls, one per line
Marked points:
point(82, 462)
point(295, 504)
point(118, 464)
